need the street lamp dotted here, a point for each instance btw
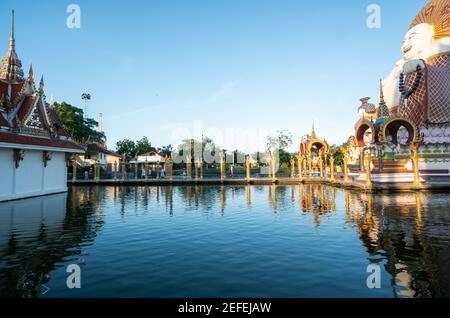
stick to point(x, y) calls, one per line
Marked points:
point(85, 97)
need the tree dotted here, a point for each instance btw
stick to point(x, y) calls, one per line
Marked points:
point(166, 150)
point(143, 146)
point(83, 130)
point(282, 140)
point(126, 147)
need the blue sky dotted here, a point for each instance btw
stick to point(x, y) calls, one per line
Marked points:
point(154, 65)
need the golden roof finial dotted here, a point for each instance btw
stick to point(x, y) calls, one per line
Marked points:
point(313, 131)
point(11, 38)
point(11, 66)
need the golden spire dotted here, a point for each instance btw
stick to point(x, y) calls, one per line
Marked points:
point(383, 110)
point(11, 66)
point(313, 131)
point(12, 41)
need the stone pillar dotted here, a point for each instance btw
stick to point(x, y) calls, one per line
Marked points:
point(136, 166)
point(201, 169)
point(115, 170)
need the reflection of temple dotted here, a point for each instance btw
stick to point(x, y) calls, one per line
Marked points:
point(38, 233)
point(408, 135)
point(395, 228)
point(318, 200)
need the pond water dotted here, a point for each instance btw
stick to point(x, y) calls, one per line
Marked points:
point(223, 241)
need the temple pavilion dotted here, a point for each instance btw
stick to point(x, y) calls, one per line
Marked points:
point(34, 146)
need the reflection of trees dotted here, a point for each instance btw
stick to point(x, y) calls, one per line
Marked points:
point(30, 255)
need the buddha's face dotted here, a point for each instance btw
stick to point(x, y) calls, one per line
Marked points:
point(418, 41)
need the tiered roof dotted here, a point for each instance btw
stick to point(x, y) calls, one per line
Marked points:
point(25, 116)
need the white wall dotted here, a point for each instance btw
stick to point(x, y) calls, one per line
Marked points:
point(31, 178)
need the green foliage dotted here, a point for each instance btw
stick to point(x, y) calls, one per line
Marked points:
point(83, 130)
point(337, 153)
point(126, 147)
point(143, 146)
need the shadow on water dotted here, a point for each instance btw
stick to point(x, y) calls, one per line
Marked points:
point(408, 233)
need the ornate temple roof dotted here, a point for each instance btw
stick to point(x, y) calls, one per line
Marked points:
point(25, 116)
point(383, 110)
point(11, 67)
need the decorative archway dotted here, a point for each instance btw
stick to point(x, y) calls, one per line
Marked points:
point(392, 126)
point(361, 128)
point(320, 145)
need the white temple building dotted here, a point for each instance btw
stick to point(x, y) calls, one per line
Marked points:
point(34, 147)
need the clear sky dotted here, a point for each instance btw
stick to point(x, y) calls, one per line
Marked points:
point(152, 66)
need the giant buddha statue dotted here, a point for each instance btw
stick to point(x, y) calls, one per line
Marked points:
point(419, 85)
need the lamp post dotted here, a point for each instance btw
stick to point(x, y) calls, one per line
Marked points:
point(85, 97)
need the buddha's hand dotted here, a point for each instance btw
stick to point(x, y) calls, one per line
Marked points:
point(411, 66)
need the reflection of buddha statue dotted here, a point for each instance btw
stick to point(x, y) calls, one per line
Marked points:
point(426, 45)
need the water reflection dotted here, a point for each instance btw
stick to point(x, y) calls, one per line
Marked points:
point(408, 233)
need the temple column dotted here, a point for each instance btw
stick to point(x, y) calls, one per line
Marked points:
point(346, 159)
point(310, 166)
point(222, 168)
point(415, 163)
point(321, 167)
point(124, 169)
point(74, 170)
point(247, 169)
point(300, 166)
point(115, 170)
point(292, 169)
point(332, 168)
point(367, 161)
